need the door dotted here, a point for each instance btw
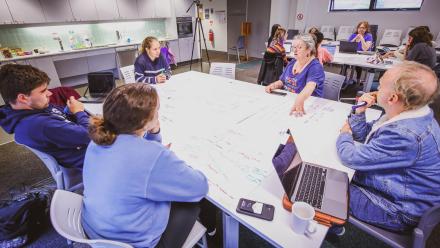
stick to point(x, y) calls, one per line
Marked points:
point(163, 8)
point(5, 16)
point(57, 10)
point(128, 9)
point(107, 9)
point(84, 10)
point(146, 8)
point(26, 11)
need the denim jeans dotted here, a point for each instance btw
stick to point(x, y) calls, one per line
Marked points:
point(365, 210)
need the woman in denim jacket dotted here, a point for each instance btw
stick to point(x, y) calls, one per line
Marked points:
point(398, 165)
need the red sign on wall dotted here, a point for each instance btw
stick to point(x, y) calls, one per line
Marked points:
point(300, 16)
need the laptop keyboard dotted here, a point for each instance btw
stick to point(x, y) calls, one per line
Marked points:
point(311, 187)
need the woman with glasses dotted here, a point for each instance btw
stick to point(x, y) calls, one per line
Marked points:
point(362, 36)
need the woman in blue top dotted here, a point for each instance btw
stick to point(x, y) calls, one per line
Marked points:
point(151, 66)
point(304, 75)
point(136, 190)
point(362, 36)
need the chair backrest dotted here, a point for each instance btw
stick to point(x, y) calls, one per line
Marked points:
point(344, 32)
point(332, 85)
point(437, 40)
point(391, 37)
point(128, 74)
point(430, 219)
point(328, 32)
point(373, 32)
point(65, 215)
point(427, 223)
point(240, 42)
point(223, 69)
point(65, 178)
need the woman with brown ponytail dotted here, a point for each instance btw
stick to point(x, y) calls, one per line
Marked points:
point(136, 190)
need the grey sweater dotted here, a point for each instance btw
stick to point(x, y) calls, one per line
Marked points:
point(422, 53)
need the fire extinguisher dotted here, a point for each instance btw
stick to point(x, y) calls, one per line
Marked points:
point(211, 36)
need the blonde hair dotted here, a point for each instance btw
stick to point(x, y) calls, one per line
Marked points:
point(146, 43)
point(309, 41)
point(412, 88)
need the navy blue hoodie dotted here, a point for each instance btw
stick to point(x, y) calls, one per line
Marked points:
point(145, 70)
point(49, 130)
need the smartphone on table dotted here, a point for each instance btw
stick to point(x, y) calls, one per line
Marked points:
point(256, 209)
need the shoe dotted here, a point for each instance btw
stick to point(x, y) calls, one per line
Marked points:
point(337, 230)
point(212, 232)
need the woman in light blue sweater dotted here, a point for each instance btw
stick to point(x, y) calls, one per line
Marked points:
point(135, 189)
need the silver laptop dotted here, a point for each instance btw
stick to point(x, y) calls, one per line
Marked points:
point(324, 188)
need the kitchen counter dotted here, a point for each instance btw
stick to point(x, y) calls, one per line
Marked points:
point(97, 47)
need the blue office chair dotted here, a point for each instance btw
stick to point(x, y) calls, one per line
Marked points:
point(333, 85)
point(421, 233)
point(69, 179)
point(239, 46)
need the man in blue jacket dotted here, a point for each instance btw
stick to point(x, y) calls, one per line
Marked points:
point(38, 124)
point(398, 161)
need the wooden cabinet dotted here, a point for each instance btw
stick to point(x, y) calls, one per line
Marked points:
point(127, 9)
point(107, 9)
point(5, 16)
point(57, 10)
point(146, 8)
point(26, 11)
point(84, 10)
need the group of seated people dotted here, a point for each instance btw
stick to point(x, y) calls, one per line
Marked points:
point(154, 194)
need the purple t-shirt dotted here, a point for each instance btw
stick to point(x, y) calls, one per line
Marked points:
point(313, 72)
point(367, 37)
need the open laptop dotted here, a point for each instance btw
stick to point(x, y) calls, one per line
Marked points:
point(287, 46)
point(324, 188)
point(291, 33)
point(99, 85)
point(348, 47)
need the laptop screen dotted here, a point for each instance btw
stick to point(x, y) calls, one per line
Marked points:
point(291, 33)
point(287, 47)
point(287, 163)
point(348, 47)
point(100, 83)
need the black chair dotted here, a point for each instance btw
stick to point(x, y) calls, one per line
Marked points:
point(417, 239)
point(373, 32)
point(271, 68)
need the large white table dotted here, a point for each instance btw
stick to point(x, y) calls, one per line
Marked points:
point(230, 130)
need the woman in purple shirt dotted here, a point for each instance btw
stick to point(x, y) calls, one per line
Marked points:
point(304, 75)
point(365, 41)
point(362, 36)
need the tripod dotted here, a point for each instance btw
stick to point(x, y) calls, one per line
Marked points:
point(198, 27)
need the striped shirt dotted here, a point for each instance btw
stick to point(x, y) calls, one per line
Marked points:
point(145, 70)
point(277, 47)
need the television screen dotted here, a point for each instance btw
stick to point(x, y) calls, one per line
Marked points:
point(350, 5)
point(398, 4)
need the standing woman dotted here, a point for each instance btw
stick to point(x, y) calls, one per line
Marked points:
point(304, 75)
point(136, 190)
point(272, 33)
point(151, 66)
point(276, 46)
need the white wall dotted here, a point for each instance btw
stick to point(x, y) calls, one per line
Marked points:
point(316, 14)
point(281, 11)
point(220, 29)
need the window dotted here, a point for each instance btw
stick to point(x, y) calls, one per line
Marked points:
point(398, 5)
point(337, 5)
point(372, 5)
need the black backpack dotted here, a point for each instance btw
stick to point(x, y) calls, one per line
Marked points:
point(22, 215)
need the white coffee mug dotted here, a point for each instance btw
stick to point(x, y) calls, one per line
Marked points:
point(302, 218)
